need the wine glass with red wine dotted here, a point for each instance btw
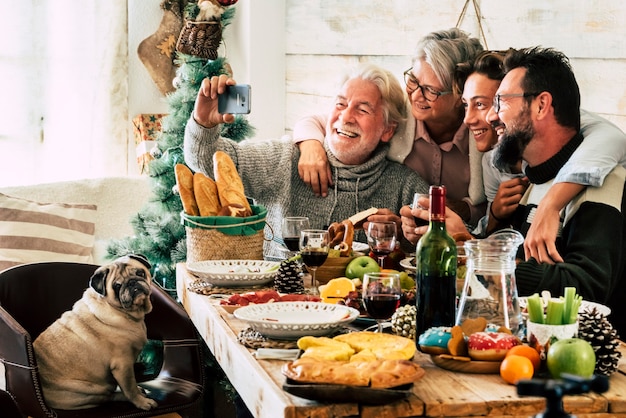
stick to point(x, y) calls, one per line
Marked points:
point(314, 251)
point(381, 295)
point(292, 225)
point(382, 238)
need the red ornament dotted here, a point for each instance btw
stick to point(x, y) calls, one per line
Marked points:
point(227, 2)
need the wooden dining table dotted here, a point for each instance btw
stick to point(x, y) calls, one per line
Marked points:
point(439, 393)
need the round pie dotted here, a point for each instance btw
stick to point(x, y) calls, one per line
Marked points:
point(383, 346)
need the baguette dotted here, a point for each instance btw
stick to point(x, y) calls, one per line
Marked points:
point(184, 181)
point(234, 209)
point(229, 184)
point(205, 191)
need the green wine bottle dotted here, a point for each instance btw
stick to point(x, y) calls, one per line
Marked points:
point(435, 261)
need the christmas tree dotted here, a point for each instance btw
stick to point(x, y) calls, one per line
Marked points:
point(159, 234)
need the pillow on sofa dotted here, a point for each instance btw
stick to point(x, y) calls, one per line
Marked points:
point(34, 231)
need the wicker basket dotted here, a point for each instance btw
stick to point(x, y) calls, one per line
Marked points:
point(200, 39)
point(332, 268)
point(225, 237)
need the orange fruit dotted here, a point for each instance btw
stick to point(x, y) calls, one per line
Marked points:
point(528, 352)
point(336, 289)
point(514, 368)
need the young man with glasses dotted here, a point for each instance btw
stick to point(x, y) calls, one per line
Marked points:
point(543, 130)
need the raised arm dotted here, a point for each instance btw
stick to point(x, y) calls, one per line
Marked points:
point(604, 147)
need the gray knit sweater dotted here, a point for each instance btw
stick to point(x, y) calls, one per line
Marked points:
point(269, 171)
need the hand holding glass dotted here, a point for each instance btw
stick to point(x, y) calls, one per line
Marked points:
point(314, 251)
point(292, 225)
point(381, 295)
point(416, 198)
point(382, 238)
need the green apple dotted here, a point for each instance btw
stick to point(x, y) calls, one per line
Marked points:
point(571, 355)
point(361, 265)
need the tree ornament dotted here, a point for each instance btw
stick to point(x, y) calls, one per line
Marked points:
point(156, 152)
point(177, 82)
point(227, 2)
point(596, 329)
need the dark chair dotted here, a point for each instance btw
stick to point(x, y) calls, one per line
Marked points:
point(32, 296)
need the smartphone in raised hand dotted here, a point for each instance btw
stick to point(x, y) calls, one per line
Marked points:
point(236, 100)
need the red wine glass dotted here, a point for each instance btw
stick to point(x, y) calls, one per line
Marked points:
point(382, 238)
point(314, 251)
point(291, 227)
point(381, 295)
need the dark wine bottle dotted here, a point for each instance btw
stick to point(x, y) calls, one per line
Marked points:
point(435, 262)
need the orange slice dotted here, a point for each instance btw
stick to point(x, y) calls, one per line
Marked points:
point(336, 289)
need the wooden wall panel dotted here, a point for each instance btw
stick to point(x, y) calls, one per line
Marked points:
point(323, 36)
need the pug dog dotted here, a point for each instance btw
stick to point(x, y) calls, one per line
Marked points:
point(89, 351)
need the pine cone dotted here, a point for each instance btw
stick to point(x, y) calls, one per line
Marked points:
point(596, 329)
point(288, 278)
point(403, 321)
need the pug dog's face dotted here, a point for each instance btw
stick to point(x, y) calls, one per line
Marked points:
point(125, 283)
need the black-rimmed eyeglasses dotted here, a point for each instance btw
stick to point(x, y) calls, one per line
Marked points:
point(497, 98)
point(429, 93)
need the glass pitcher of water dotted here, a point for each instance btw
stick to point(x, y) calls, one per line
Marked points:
point(489, 290)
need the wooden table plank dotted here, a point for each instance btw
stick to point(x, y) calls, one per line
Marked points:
point(440, 393)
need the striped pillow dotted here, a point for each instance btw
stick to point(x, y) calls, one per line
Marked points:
point(33, 231)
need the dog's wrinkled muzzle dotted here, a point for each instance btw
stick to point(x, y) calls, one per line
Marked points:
point(133, 293)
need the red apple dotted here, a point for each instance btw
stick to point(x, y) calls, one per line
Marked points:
point(571, 355)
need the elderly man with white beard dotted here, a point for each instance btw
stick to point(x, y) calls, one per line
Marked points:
point(369, 106)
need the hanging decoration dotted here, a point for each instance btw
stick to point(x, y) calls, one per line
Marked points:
point(157, 53)
point(479, 18)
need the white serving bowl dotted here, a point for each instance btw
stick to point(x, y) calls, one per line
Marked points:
point(292, 320)
point(235, 273)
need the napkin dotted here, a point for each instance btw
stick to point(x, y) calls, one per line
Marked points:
point(277, 353)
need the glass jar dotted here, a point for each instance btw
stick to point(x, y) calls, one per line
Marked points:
point(489, 290)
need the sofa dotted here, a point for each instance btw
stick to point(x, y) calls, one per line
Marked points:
point(94, 210)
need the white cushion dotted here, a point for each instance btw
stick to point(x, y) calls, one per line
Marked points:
point(33, 231)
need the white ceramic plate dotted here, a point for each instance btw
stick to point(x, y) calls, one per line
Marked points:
point(235, 272)
point(406, 264)
point(292, 320)
point(360, 247)
point(584, 306)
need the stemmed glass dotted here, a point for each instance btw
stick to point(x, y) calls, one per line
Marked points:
point(381, 295)
point(314, 251)
point(382, 238)
point(291, 227)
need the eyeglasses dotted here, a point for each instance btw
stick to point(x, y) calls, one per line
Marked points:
point(429, 93)
point(497, 98)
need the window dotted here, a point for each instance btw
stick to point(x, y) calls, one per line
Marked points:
point(63, 100)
